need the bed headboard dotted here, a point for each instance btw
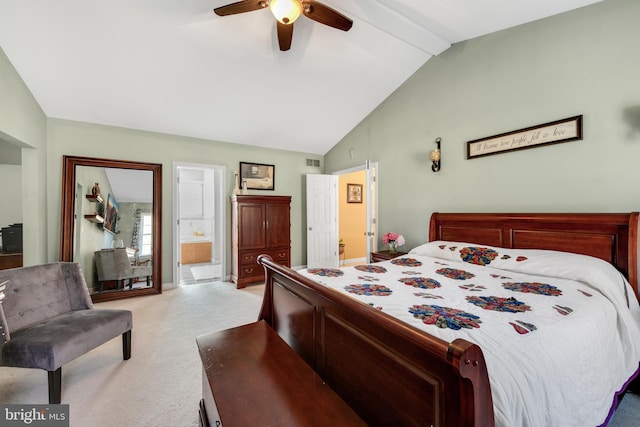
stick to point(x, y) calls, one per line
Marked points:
point(611, 237)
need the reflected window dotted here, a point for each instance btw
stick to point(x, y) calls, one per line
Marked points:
point(147, 234)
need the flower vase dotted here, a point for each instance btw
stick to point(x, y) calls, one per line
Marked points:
point(393, 247)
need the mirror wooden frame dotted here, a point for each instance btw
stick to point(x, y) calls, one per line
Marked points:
point(69, 164)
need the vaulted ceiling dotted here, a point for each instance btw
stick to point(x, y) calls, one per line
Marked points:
point(173, 66)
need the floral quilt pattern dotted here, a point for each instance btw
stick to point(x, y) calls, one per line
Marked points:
point(378, 290)
point(370, 268)
point(407, 262)
point(326, 272)
point(509, 305)
point(463, 268)
point(533, 288)
point(480, 256)
point(445, 317)
point(420, 282)
point(454, 273)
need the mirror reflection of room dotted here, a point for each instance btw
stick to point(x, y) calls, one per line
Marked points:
point(113, 238)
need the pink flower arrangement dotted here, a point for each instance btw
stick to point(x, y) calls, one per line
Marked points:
point(393, 237)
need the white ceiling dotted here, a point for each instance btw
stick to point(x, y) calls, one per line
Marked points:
point(173, 66)
point(130, 185)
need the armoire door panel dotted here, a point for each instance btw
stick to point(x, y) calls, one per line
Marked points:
point(251, 222)
point(278, 226)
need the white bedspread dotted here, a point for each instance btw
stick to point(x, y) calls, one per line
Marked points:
point(560, 332)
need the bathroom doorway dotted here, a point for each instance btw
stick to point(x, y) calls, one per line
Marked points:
point(199, 223)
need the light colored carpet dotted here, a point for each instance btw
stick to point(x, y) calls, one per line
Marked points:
point(161, 385)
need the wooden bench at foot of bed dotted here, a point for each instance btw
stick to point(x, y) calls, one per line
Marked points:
point(251, 377)
point(390, 373)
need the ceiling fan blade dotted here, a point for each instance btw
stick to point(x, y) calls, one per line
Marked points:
point(325, 15)
point(285, 35)
point(241, 7)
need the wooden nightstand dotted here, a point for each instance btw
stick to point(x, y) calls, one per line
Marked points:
point(385, 255)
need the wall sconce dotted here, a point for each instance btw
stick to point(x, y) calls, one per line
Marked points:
point(434, 155)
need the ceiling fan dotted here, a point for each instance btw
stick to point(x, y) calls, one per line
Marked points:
point(286, 12)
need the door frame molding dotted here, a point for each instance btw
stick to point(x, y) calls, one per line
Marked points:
point(220, 172)
point(371, 189)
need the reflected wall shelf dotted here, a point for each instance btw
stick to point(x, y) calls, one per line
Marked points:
point(94, 198)
point(94, 218)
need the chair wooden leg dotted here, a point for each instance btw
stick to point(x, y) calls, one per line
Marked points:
point(126, 345)
point(55, 386)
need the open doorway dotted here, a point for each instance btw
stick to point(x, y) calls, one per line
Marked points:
point(341, 216)
point(357, 213)
point(11, 195)
point(352, 218)
point(199, 223)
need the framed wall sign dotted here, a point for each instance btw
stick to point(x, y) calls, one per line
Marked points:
point(565, 130)
point(354, 193)
point(258, 176)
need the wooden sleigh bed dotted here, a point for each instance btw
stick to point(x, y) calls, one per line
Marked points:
point(392, 374)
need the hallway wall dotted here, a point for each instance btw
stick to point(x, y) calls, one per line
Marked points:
point(353, 217)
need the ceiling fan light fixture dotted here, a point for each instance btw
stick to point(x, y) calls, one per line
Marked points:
point(286, 11)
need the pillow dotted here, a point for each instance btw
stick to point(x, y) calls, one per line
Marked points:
point(596, 273)
point(471, 252)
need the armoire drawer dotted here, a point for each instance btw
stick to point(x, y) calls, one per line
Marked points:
point(250, 271)
point(281, 256)
point(248, 258)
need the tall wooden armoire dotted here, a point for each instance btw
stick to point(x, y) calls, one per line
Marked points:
point(259, 225)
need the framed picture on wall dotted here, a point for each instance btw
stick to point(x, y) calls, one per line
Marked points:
point(258, 176)
point(111, 214)
point(354, 193)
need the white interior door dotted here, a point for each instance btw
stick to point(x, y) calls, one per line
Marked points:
point(322, 221)
point(372, 203)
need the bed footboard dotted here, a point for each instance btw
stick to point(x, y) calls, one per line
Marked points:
point(390, 373)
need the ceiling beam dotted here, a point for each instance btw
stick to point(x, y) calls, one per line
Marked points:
point(381, 15)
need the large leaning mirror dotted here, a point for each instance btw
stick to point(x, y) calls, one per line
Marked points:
point(111, 222)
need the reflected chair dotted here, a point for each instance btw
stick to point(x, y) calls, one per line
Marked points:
point(114, 265)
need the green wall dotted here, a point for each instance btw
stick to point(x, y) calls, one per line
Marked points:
point(23, 141)
point(83, 139)
point(585, 62)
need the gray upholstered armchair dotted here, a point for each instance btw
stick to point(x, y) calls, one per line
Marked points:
point(114, 264)
point(47, 319)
